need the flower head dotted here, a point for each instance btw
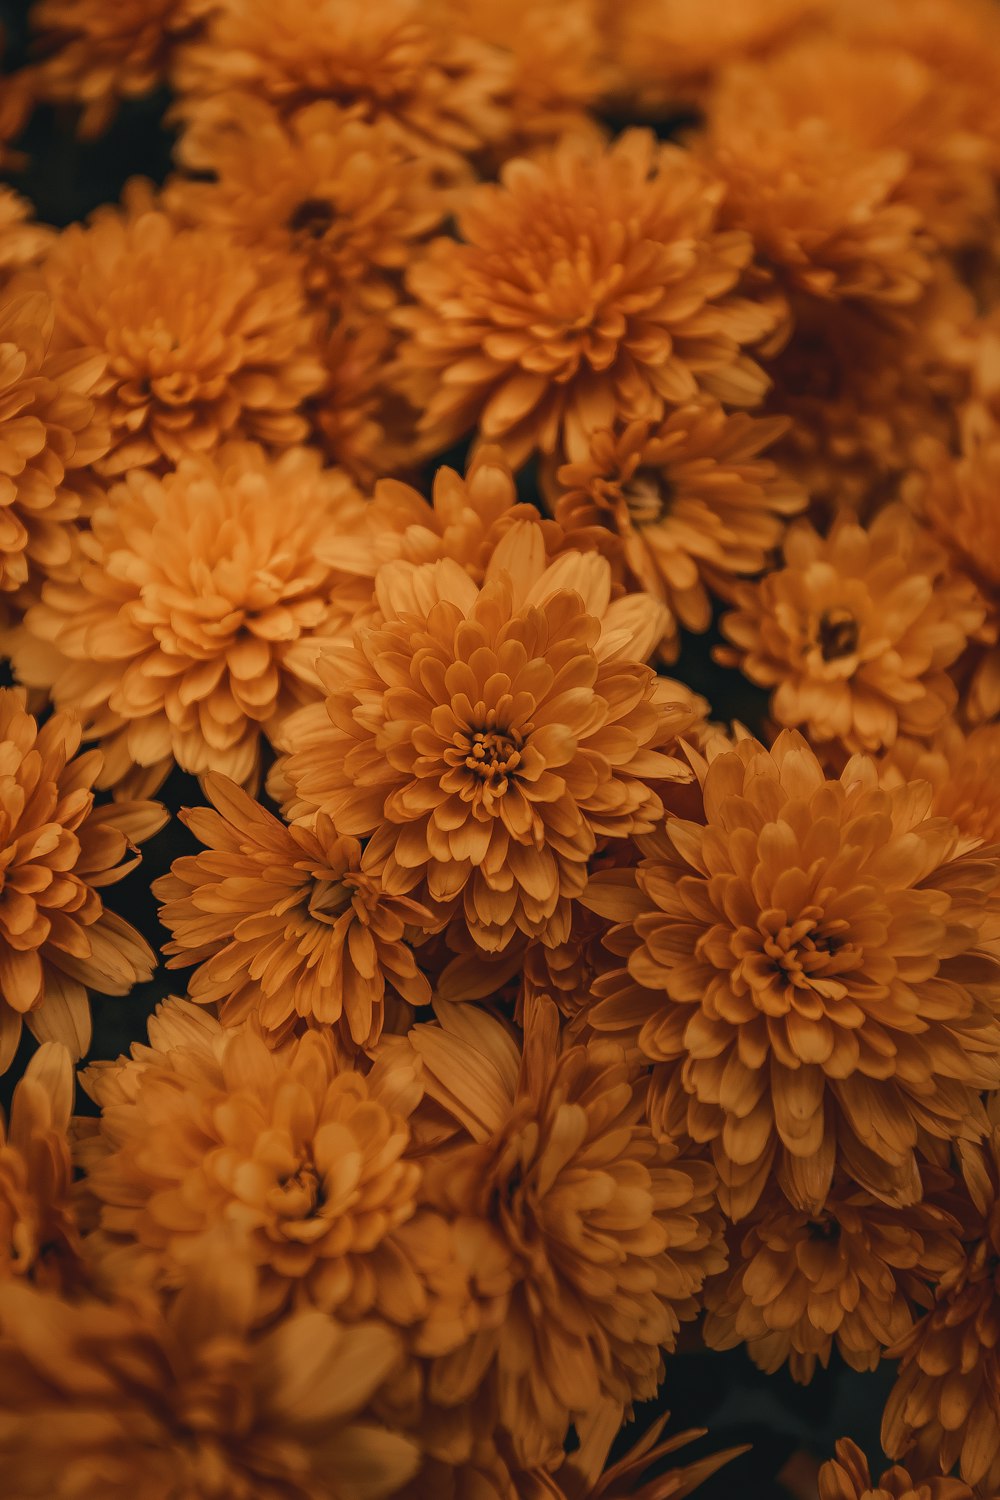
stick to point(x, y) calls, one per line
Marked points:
point(608, 1235)
point(287, 923)
point(57, 851)
point(135, 1402)
point(814, 967)
point(848, 1477)
point(691, 503)
point(485, 738)
point(963, 769)
point(22, 242)
point(202, 341)
point(47, 427)
point(199, 608)
point(39, 1237)
point(587, 286)
point(856, 631)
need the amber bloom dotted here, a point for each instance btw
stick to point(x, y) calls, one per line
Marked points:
point(199, 608)
point(286, 922)
point(607, 1233)
point(588, 285)
point(22, 242)
point(815, 969)
point(202, 341)
point(691, 502)
point(848, 1477)
point(58, 850)
point(96, 55)
point(357, 416)
point(485, 738)
point(47, 427)
point(947, 1394)
point(39, 1239)
point(132, 1402)
point(848, 1276)
point(401, 61)
point(963, 769)
point(856, 632)
point(335, 191)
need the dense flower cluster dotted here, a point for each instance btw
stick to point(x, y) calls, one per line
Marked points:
point(524, 491)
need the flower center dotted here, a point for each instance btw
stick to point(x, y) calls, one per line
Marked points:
point(314, 218)
point(648, 496)
point(301, 1192)
point(328, 899)
point(825, 1230)
point(491, 754)
point(837, 634)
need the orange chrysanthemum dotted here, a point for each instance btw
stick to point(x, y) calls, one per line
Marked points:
point(691, 503)
point(399, 60)
point(22, 242)
point(303, 1155)
point(335, 192)
point(137, 1403)
point(97, 55)
point(963, 769)
point(608, 1235)
point(587, 286)
point(946, 1399)
point(202, 341)
point(56, 853)
point(357, 416)
point(39, 1237)
point(47, 427)
point(485, 739)
point(848, 1477)
point(287, 922)
point(848, 1276)
point(814, 968)
point(200, 606)
point(856, 632)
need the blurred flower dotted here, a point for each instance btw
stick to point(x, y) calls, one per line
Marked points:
point(963, 769)
point(135, 1403)
point(814, 969)
point(847, 1276)
point(848, 1477)
point(286, 922)
point(484, 739)
point(856, 631)
point(587, 286)
point(199, 609)
point(22, 242)
point(47, 426)
point(58, 851)
point(39, 1237)
point(202, 341)
point(690, 503)
point(334, 191)
point(357, 417)
point(608, 1233)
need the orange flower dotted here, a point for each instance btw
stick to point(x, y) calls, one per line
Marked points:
point(848, 1276)
point(607, 1233)
point(856, 631)
point(286, 922)
point(135, 1403)
point(357, 417)
point(848, 1477)
point(22, 242)
point(304, 1156)
point(203, 342)
point(399, 60)
point(39, 1238)
point(199, 608)
point(337, 193)
point(96, 55)
point(947, 1394)
point(58, 850)
point(484, 739)
point(815, 971)
point(587, 286)
point(47, 427)
point(691, 503)
point(964, 771)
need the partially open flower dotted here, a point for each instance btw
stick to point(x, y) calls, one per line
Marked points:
point(587, 286)
point(199, 608)
point(287, 923)
point(814, 969)
point(848, 1477)
point(57, 851)
point(856, 631)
